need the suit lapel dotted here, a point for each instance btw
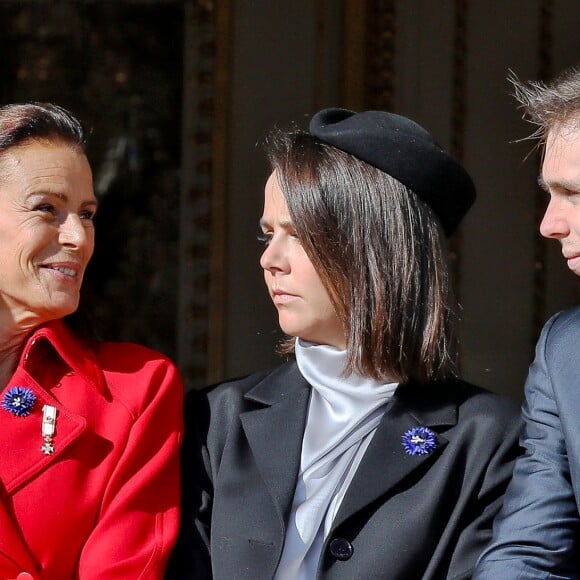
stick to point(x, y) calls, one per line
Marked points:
point(275, 428)
point(274, 431)
point(386, 463)
point(21, 439)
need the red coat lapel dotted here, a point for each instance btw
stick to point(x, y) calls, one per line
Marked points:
point(14, 555)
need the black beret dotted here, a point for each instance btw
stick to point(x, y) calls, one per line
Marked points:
point(404, 150)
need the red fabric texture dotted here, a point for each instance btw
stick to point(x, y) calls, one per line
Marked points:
point(105, 504)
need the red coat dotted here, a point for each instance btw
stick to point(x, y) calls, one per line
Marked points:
point(105, 503)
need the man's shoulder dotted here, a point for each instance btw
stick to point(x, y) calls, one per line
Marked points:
point(568, 317)
point(561, 329)
point(558, 353)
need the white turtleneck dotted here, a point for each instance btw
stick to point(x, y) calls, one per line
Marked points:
point(343, 415)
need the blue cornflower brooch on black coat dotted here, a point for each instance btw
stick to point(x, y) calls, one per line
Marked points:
point(419, 441)
point(18, 401)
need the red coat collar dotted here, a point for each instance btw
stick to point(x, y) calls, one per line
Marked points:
point(71, 348)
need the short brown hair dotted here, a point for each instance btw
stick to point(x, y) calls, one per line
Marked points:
point(378, 250)
point(23, 122)
point(550, 105)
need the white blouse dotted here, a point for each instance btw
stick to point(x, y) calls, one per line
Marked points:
point(343, 415)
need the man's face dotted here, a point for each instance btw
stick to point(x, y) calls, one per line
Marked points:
point(561, 179)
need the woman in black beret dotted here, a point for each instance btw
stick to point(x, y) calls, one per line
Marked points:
point(364, 456)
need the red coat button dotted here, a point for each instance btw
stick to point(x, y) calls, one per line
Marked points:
point(24, 576)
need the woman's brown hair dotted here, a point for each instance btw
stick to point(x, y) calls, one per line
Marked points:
point(22, 122)
point(379, 251)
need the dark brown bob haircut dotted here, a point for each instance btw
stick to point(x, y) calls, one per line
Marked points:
point(20, 123)
point(379, 251)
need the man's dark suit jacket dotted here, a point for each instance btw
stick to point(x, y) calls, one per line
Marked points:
point(403, 516)
point(537, 535)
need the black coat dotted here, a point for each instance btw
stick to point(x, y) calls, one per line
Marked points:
point(403, 516)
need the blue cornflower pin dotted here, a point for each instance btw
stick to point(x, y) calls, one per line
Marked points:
point(19, 401)
point(419, 441)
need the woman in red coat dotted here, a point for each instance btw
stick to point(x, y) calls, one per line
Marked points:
point(90, 431)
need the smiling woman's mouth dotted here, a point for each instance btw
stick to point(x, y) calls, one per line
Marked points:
point(70, 272)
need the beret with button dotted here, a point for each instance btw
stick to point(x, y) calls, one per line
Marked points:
point(404, 150)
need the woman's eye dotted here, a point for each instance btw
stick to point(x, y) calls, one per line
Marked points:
point(45, 208)
point(294, 235)
point(87, 215)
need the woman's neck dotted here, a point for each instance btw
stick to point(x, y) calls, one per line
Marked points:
point(11, 345)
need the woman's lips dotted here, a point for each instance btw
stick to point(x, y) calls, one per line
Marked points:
point(66, 270)
point(282, 297)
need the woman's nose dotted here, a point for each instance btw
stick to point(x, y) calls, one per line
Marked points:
point(73, 232)
point(273, 257)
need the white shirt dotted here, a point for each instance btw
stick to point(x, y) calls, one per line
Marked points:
point(343, 415)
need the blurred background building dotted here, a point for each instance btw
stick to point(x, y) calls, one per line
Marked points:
point(178, 95)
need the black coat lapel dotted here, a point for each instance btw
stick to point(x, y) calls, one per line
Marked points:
point(275, 429)
point(386, 463)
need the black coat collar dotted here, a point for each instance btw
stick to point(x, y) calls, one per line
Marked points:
point(275, 428)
